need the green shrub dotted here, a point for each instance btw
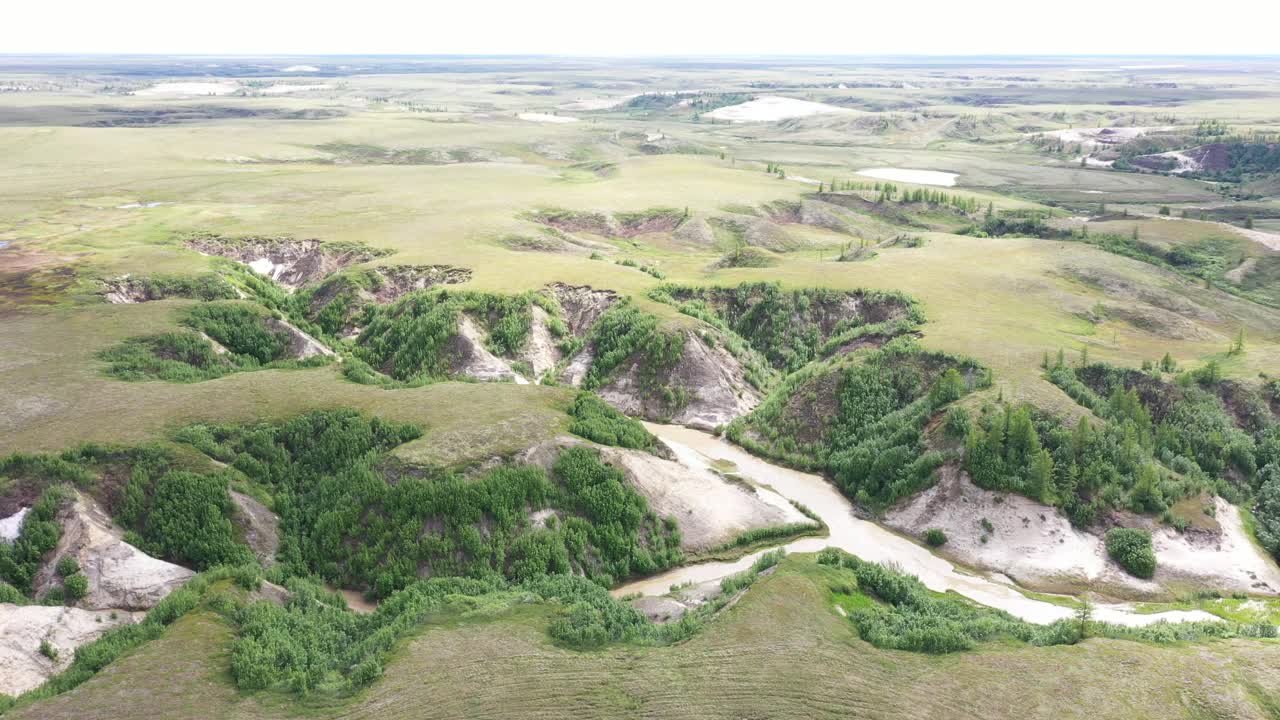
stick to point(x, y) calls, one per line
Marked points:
point(1131, 548)
point(39, 535)
point(935, 537)
point(240, 327)
point(48, 650)
point(67, 566)
point(184, 517)
point(595, 420)
point(75, 587)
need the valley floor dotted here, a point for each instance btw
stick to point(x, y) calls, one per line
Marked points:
point(782, 652)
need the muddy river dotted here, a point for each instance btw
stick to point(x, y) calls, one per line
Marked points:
point(865, 539)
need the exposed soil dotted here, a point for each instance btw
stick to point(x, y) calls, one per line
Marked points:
point(290, 262)
point(11, 525)
point(710, 509)
point(301, 345)
point(23, 628)
point(712, 381)
point(582, 305)
point(540, 351)
point(400, 279)
point(771, 109)
point(570, 221)
point(260, 526)
point(1036, 546)
point(663, 220)
point(695, 231)
point(757, 232)
point(1158, 396)
point(468, 356)
point(120, 575)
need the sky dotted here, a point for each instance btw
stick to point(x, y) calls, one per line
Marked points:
point(642, 27)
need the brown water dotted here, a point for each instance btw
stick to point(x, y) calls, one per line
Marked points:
point(865, 539)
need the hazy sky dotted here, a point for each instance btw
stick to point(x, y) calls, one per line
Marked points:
point(640, 27)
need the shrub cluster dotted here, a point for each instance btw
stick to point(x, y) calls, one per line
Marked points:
point(1131, 547)
point(352, 517)
point(595, 420)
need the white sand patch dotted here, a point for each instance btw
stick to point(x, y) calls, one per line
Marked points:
point(1095, 192)
point(221, 87)
point(547, 118)
point(1266, 239)
point(1102, 136)
point(11, 526)
point(1029, 542)
point(772, 109)
point(262, 266)
point(137, 205)
point(803, 179)
point(301, 68)
point(917, 177)
point(471, 358)
point(120, 576)
point(711, 509)
point(1226, 561)
point(588, 104)
point(23, 628)
point(285, 88)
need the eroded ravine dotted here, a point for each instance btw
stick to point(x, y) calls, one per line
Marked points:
point(860, 537)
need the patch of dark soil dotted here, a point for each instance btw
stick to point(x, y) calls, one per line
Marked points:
point(868, 341)
point(856, 203)
point(1249, 409)
point(582, 305)
point(653, 220)
point(35, 287)
point(18, 494)
point(532, 243)
point(810, 409)
point(756, 232)
point(106, 116)
point(367, 154)
point(1159, 397)
point(398, 280)
point(575, 221)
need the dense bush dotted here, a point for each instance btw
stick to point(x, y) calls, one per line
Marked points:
point(912, 618)
point(183, 517)
point(1151, 427)
point(1131, 548)
point(624, 331)
point(206, 286)
point(311, 643)
point(873, 446)
point(792, 328)
point(595, 420)
point(175, 356)
point(38, 536)
point(1267, 508)
point(409, 339)
point(357, 519)
point(935, 537)
point(240, 327)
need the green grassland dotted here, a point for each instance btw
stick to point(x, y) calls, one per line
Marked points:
point(782, 651)
point(438, 169)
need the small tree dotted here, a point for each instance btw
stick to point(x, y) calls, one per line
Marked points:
point(1084, 616)
point(1237, 348)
